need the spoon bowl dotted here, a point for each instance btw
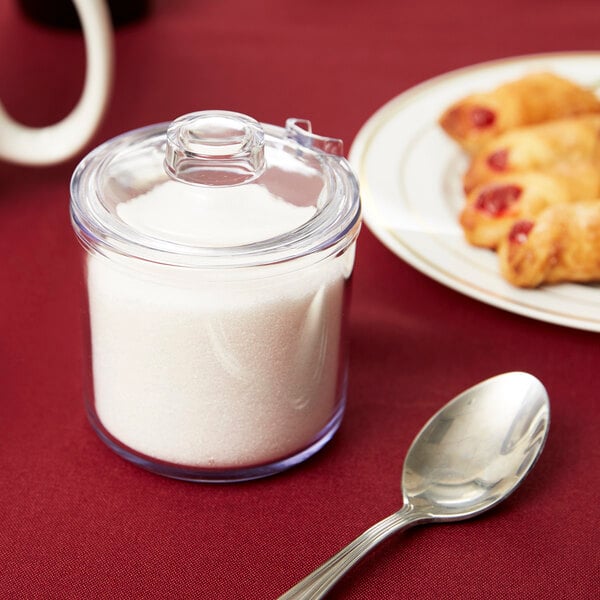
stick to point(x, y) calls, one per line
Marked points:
point(471, 455)
point(478, 448)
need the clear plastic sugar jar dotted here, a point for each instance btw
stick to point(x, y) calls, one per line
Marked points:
point(217, 260)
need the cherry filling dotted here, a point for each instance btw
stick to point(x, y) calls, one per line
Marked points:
point(482, 117)
point(495, 200)
point(519, 232)
point(498, 161)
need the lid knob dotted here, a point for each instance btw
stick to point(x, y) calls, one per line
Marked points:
point(215, 148)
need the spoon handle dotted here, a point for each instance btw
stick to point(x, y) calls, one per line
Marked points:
point(320, 581)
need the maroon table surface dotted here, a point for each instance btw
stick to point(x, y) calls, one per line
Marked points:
point(77, 521)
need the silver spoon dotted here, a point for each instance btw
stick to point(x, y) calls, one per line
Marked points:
point(469, 457)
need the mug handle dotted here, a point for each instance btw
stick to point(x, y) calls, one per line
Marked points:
point(55, 143)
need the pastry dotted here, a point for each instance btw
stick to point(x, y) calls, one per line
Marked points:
point(492, 207)
point(557, 146)
point(534, 98)
point(560, 244)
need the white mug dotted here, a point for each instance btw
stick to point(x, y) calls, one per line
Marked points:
point(58, 142)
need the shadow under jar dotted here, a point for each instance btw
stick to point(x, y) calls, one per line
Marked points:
point(218, 254)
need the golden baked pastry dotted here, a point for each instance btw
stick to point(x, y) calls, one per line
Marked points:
point(532, 99)
point(559, 146)
point(535, 158)
point(493, 207)
point(560, 244)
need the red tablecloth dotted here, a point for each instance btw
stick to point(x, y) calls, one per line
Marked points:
point(76, 521)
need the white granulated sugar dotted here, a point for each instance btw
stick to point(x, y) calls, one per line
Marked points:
point(213, 374)
point(197, 215)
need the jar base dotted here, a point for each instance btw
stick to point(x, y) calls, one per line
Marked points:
point(218, 475)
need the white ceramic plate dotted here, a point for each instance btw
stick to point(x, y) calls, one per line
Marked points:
point(410, 175)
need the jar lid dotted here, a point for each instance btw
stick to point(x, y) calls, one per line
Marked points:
point(216, 188)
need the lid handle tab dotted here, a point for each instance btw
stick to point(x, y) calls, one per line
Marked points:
point(300, 130)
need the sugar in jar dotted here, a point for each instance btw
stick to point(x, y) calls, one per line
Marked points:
point(218, 254)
